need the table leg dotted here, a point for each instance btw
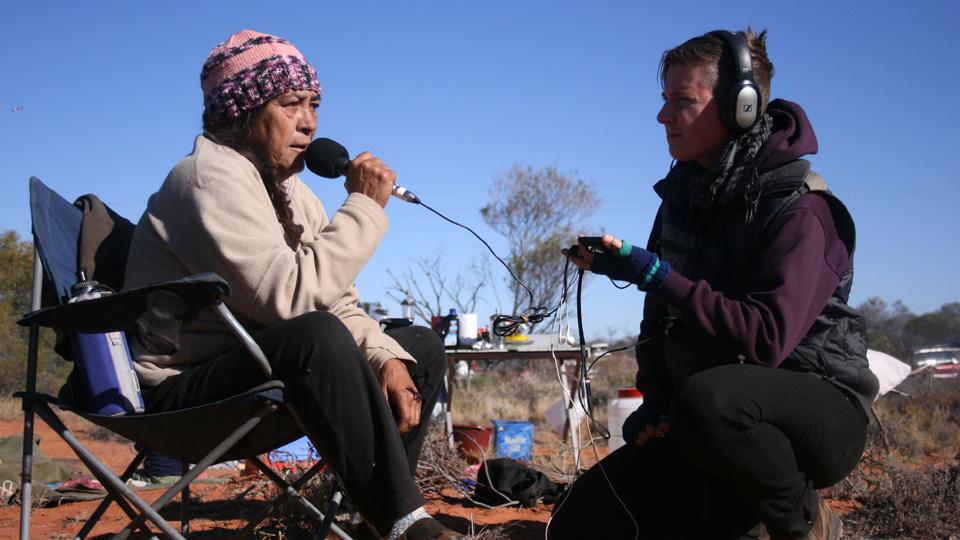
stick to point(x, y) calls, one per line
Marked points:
point(572, 425)
point(447, 414)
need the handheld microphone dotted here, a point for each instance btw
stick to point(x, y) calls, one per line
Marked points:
point(329, 159)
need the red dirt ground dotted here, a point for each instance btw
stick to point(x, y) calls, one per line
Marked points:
point(61, 523)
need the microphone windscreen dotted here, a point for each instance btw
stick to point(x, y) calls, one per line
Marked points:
point(327, 158)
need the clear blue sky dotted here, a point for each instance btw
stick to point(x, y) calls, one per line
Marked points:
point(452, 93)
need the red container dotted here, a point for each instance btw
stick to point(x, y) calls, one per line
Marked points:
point(472, 441)
point(440, 325)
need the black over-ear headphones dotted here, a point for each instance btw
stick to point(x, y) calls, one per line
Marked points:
point(740, 101)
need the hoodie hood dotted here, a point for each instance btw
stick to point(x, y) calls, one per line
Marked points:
point(791, 137)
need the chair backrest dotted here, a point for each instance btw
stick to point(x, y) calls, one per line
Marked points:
point(56, 233)
point(85, 241)
point(86, 236)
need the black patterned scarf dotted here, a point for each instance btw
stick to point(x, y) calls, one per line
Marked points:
point(691, 193)
point(738, 176)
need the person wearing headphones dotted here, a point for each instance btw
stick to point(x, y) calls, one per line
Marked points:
point(752, 366)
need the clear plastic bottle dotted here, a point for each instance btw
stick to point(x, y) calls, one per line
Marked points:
point(407, 306)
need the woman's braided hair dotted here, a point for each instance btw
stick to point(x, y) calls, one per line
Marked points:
point(235, 135)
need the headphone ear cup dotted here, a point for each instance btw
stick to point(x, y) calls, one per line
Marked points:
point(740, 107)
point(739, 102)
point(746, 110)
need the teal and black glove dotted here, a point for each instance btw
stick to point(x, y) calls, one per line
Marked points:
point(633, 264)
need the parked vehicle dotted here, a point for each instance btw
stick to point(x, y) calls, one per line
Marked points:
point(945, 361)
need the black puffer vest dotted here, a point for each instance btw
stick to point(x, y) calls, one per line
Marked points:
point(834, 348)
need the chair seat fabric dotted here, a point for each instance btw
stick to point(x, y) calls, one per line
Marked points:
point(189, 434)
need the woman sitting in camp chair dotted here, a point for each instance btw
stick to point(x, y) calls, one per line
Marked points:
point(235, 206)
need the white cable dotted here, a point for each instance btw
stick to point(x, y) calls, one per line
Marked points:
point(568, 398)
point(596, 454)
point(593, 445)
point(561, 319)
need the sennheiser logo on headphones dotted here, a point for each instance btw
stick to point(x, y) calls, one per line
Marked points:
point(747, 108)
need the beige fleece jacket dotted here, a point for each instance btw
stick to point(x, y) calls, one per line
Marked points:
point(213, 214)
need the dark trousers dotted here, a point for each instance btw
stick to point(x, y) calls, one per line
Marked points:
point(748, 444)
point(335, 392)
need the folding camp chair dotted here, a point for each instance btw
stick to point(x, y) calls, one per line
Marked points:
point(241, 427)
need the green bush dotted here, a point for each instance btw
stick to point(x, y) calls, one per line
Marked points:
point(16, 282)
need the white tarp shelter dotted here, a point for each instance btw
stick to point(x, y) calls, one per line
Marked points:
point(889, 370)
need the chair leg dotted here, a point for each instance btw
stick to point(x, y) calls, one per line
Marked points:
point(328, 519)
point(102, 507)
point(26, 483)
point(184, 502)
point(105, 475)
point(225, 445)
point(26, 471)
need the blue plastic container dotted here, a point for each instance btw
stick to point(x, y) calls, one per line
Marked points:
point(106, 374)
point(514, 439)
point(105, 366)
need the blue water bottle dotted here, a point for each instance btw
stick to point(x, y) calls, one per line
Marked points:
point(453, 330)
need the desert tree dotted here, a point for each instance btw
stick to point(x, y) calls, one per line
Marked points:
point(941, 327)
point(886, 326)
point(432, 289)
point(539, 211)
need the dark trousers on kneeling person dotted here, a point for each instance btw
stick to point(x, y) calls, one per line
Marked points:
point(747, 444)
point(336, 393)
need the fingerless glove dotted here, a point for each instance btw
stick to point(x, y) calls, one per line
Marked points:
point(633, 264)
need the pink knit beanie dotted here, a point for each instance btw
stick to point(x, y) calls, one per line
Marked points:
point(248, 70)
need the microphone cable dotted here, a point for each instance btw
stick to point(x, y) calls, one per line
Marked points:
point(330, 159)
point(507, 325)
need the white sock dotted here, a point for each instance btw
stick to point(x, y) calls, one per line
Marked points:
point(401, 525)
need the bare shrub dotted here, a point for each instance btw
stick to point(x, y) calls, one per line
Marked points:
point(901, 502)
point(524, 390)
point(292, 521)
point(908, 483)
point(440, 466)
point(521, 393)
point(489, 533)
point(917, 427)
point(11, 408)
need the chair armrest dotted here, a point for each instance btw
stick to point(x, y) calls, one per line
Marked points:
point(118, 311)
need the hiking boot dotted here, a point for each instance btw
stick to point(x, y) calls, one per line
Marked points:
point(430, 529)
point(826, 524)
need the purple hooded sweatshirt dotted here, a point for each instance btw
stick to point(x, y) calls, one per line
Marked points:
point(762, 316)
